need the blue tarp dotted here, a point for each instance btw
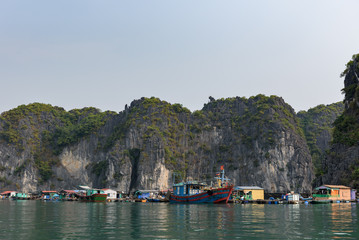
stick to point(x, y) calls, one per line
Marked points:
point(144, 196)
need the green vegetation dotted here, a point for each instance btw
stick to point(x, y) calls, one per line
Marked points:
point(44, 160)
point(45, 130)
point(346, 129)
point(352, 64)
point(67, 127)
point(117, 176)
point(25, 118)
point(158, 127)
point(316, 123)
point(5, 180)
point(99, 167)
point(21, 168)
point(77, 124)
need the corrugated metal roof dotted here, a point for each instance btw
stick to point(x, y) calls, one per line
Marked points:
point(68, 191)
point(332, 187)
point(6, 192)
point(248, 188)
point(336, 186)
point(190, 183)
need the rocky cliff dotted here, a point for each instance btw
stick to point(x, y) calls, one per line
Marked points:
point(317, 125)
point(258, 140)
point(341, 166)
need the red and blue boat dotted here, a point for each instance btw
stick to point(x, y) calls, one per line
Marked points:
point(197, 192)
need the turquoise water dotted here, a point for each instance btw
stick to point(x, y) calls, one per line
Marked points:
point(77, 220)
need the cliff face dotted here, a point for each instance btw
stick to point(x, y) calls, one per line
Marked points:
point(317, 125)
point(258, 140)
point(341, 166)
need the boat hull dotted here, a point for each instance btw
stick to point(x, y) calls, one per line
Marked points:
point(218, 195)
point(98, 197)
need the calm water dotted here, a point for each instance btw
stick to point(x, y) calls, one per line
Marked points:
point(76, 220)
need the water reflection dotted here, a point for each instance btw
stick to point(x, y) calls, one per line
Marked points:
point(74, 220)
point(341, 218)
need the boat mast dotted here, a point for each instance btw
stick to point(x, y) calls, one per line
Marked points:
point(221, 179)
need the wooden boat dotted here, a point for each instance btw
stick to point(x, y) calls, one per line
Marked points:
point(93, 195)
point(196, 192)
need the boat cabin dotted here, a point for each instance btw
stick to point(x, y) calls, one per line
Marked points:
point(332, 192)
point(89, 192)
point(188, 188)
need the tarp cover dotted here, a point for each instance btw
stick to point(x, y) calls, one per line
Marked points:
point(144, 196)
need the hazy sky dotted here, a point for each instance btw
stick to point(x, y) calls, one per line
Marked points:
point(105, 54)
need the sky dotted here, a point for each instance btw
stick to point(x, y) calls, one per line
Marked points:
point(105, 54)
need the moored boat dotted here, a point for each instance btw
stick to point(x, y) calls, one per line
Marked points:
point(197, 192)
point(93, 195)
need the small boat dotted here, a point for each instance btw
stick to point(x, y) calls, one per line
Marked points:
point(197, 192)
point(93, 195)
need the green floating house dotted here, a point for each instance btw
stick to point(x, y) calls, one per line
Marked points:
point(332, 192)
point(21, 196)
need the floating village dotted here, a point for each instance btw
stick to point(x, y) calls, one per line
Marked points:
point(194, 192)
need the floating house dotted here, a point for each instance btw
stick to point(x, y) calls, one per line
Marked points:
point(333, 192)
point(49, 195)
point(111, 194)
point(8, 194)
point(248, 192)
point(68, 195)
point(292, 197)
point(21, 196)
point(144, 194)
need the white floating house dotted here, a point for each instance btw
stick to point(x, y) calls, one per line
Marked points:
point(111, 194)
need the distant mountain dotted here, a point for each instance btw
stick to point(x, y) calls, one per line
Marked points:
point(259, 141)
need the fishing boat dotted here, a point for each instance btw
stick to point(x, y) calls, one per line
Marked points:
point(197, 192)
point(92, 195)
